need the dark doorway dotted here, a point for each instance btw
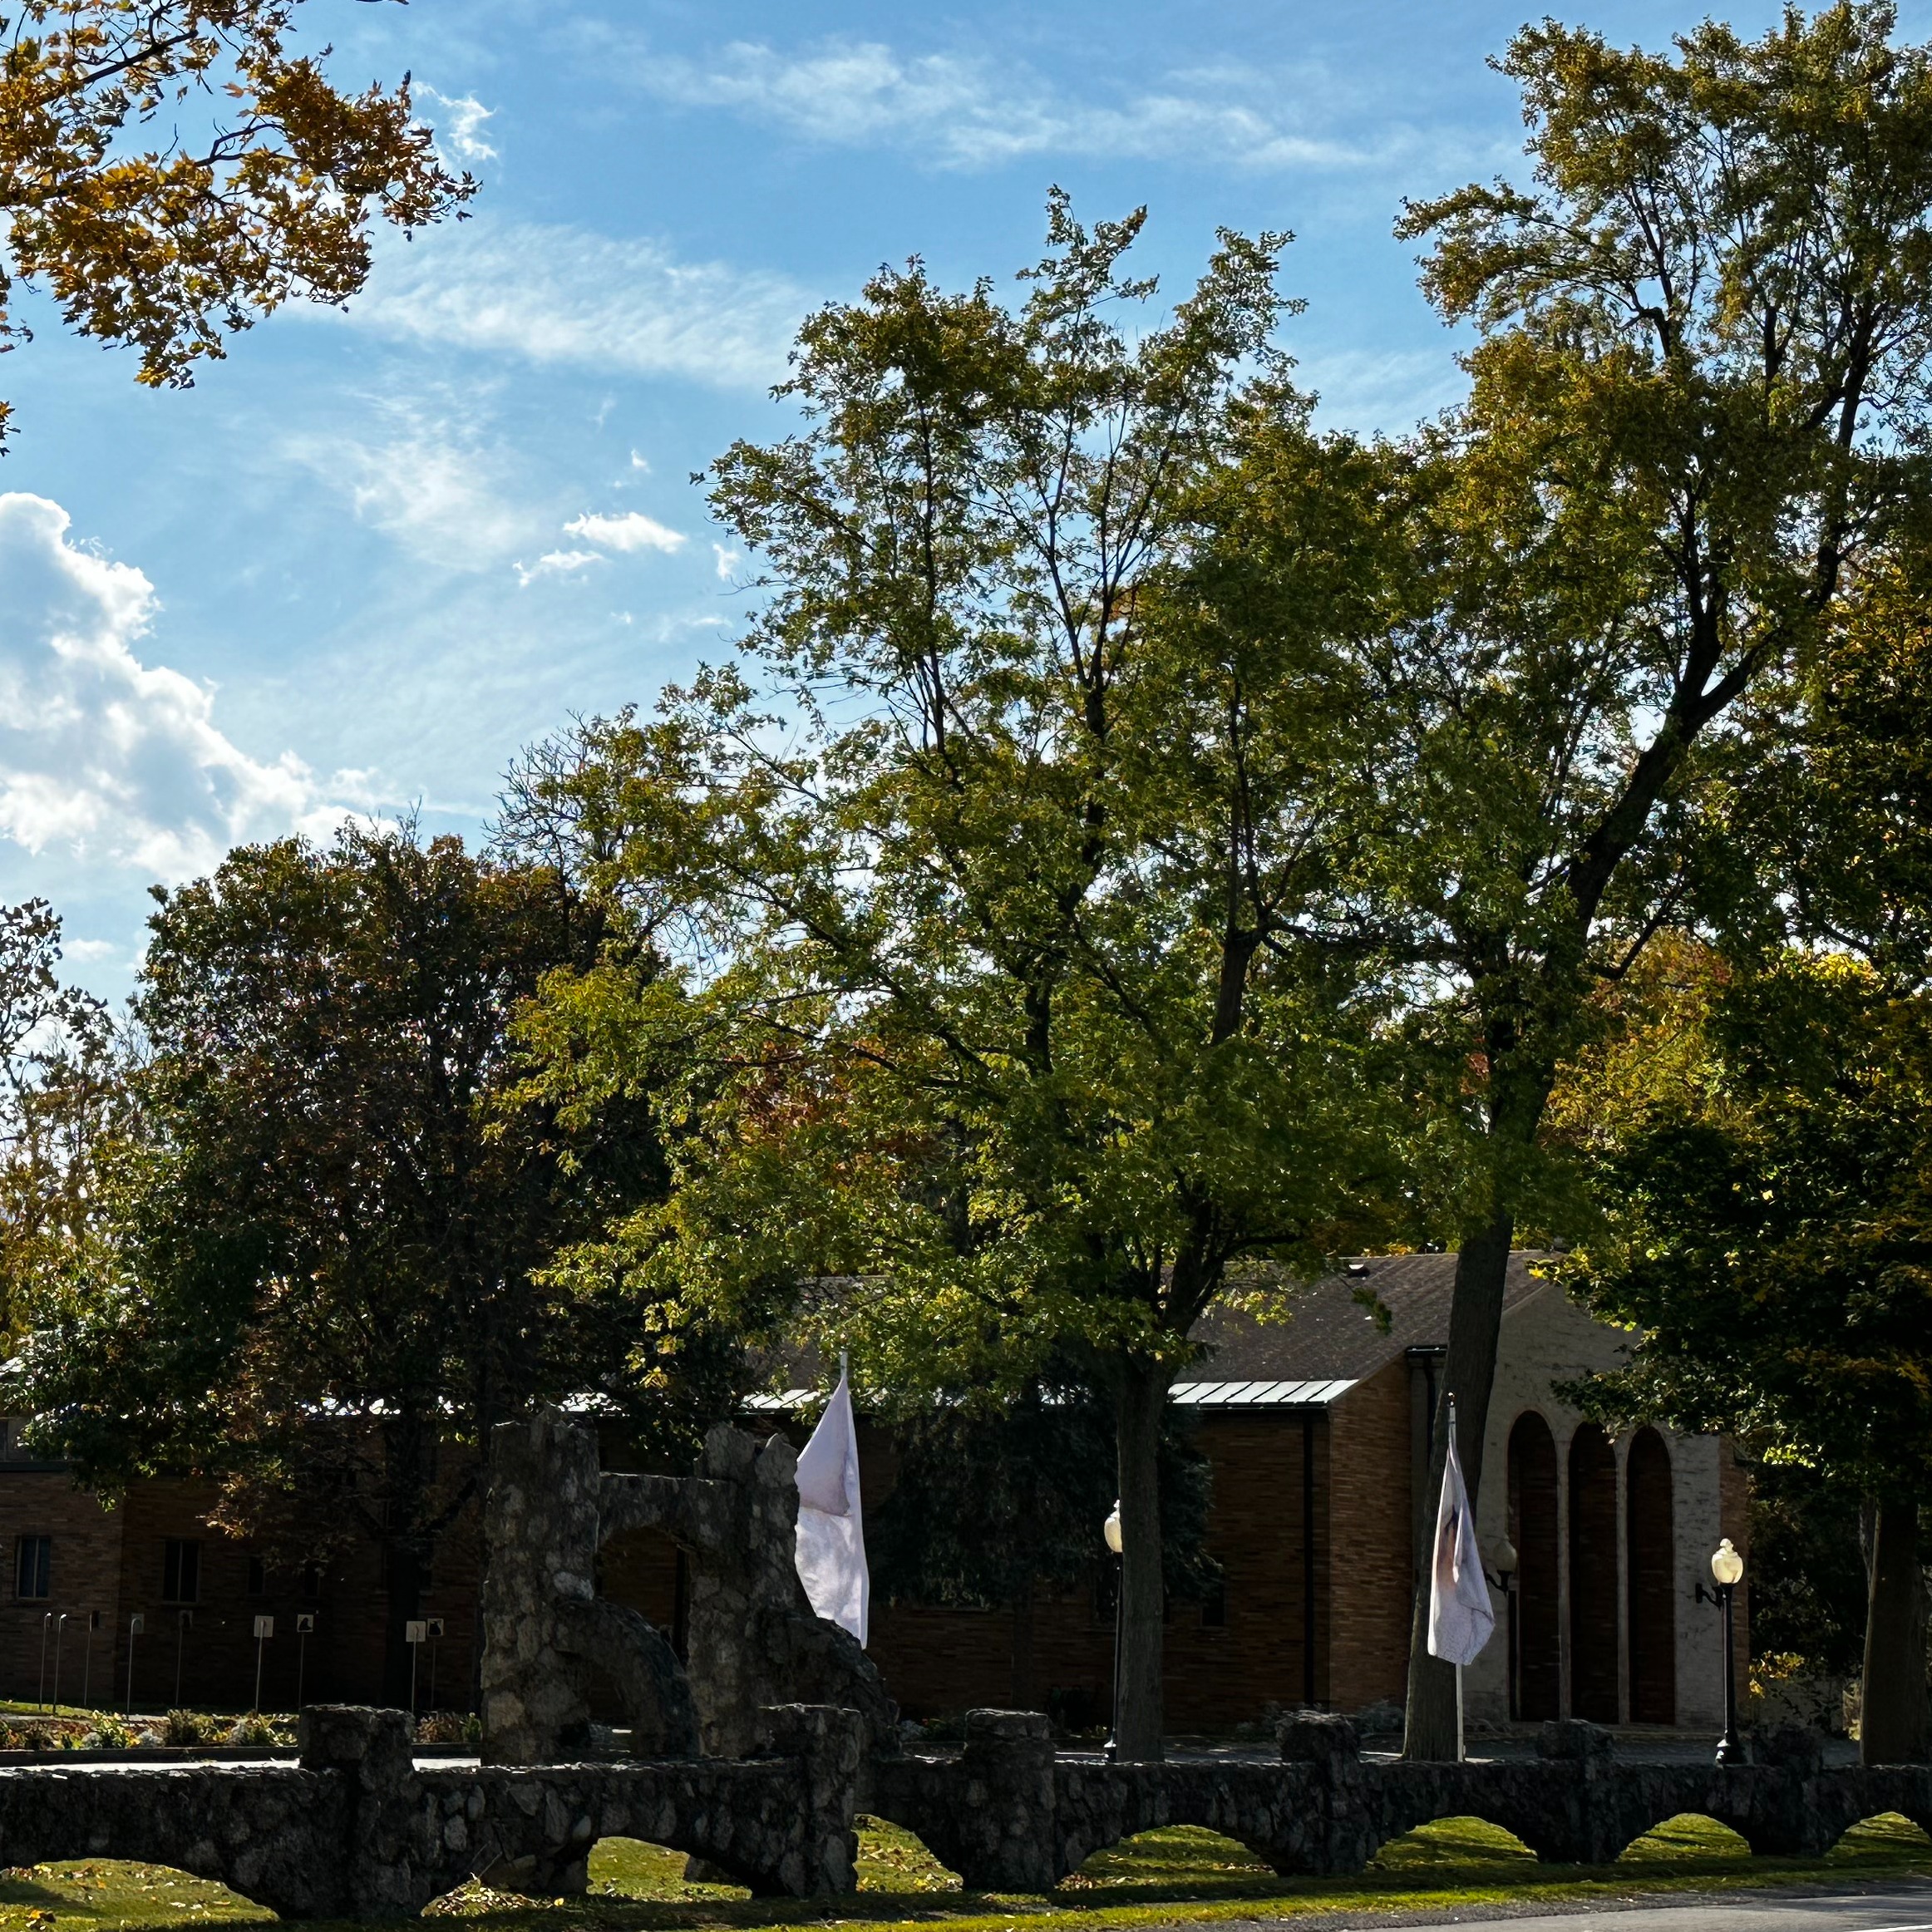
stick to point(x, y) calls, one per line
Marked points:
point(1651, 1553)
point(1538, 1653)
point(1593, 1592)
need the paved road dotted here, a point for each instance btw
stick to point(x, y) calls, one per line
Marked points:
point(1890, 1908)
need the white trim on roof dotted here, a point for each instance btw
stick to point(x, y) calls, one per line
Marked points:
point(1192, 1395)
point(1257, 1395)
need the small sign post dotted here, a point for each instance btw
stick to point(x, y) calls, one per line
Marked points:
point(136, 1624)
point(305, 1629)
point(87, 1663)
point(436, 1633)
point(414, 1634)
point(265, 1629)
point(184, 1623)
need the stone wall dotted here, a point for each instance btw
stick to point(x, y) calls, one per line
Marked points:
point(355, 1829)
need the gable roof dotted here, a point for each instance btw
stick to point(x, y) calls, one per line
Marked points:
point(1330, 1336)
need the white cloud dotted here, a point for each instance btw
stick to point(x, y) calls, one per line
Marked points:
point(969, 111)
point(89, 950)
point(631, 531)
point(557, 563)
point(457, 130)
point(105, 759)
point(727, 560)
point(558, 295)
point(639, 462)
point(425, 482)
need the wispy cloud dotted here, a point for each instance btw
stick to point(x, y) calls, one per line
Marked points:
point(631, 531)
point(562, 296)
point(459, 126)
point(965, 110)
point(557, 564)
point(425, 480)
point(105, 759)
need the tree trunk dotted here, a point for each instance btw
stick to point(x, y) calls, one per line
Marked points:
point(1895, 1725)
point(1475, 1314)
point(1142, 1404)
point(1022, 1687)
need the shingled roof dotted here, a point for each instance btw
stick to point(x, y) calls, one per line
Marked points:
point(1333, 1338)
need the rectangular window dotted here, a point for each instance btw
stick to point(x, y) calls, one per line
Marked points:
point(311, 1581)
point(180, 1572)
point(33, 1566)
point(257, 1576)
point(1214, 1606)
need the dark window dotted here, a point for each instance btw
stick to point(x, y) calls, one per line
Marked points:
point(34, 1565)
point(180, 1572)
point(1214, 1606)
point(257, 1576)
point(312, 1580)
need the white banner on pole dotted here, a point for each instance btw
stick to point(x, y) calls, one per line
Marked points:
point(832, 1527)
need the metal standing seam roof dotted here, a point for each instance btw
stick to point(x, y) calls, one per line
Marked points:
point(1257, 1395)
point(1194, 1395)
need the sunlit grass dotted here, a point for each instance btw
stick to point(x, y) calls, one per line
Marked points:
point(1450, 1865)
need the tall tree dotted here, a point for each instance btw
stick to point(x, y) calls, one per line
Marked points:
point(265, 189)
point(317, 1255)
point(1771, 1238)
point(1701, 382)
point(1011, 948)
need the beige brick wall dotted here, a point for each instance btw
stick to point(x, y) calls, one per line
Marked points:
point(1373, 1570)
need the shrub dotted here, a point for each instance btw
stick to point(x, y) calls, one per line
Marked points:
point(252, 1729)
point(190, 1727)
point(110, 1734)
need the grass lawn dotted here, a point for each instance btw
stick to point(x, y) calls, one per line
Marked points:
point(1156, 1879)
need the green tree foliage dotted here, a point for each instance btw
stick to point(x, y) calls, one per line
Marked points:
point(1697, 399)
point(1004, 869)
point(990, 1510)
point(264, 190)
point(60, 1095)
point(1772, 1239)
point(317, 1251)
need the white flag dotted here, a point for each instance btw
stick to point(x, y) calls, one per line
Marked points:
point(1461, 1615)
point(832, 1529)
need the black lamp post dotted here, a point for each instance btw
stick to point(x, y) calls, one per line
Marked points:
point(1504, 1557)
point(1110, 1533)
point(1727, 1567)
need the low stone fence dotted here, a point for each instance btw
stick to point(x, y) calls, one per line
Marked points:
point(355, 1829)
point(1007, 1814)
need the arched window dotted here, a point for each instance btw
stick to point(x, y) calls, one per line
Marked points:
point(1650, 1542)
point(1593, 1591)
point(1537, 1654)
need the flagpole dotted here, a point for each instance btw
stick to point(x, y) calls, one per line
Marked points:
point(1461, 1751)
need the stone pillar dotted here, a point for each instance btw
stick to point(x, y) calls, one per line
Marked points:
point(1330, 1747)
point(829, 1746)
point(1007, 1822)
point(369, 1754)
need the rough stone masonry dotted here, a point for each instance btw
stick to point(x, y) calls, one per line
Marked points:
point(355, 1829)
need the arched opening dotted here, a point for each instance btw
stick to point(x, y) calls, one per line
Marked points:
point(630, 1868)
point(892, 1859)
point(1448, 1843)
point(1889, 1838)
point(1651, 1546)
point(1185, 1859)
point(1593, 1576)
point(108, 1890)
point(1690, 1834)
point(1536, 1643)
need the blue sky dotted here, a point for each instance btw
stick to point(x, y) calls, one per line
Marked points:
point(371, 555)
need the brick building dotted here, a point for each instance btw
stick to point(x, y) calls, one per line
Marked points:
point(1317, 1429)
